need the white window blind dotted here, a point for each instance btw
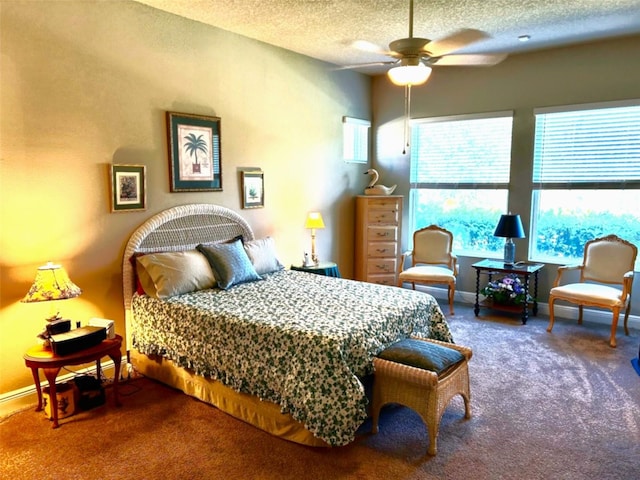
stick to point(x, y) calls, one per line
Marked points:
point(589, 144)
point(469, 150)
point(355, 133)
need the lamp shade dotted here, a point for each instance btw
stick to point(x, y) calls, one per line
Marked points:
point(409, 74)
point(314, 220)
point(509, 226)
point(51, 283)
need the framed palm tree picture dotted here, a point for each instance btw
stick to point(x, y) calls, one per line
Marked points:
point(252, 189)
point(194, 153)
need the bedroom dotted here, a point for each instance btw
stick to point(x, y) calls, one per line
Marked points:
point(84, 86)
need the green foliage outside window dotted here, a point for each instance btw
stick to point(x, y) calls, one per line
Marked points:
point(560, 237)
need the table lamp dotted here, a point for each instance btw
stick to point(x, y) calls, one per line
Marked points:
point(51, 283)
point(509, 227)
point(314, 220)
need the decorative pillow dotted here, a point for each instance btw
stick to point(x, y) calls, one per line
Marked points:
point(230, 263)
point(167, 274)
point(421, 354)
point(263, 256)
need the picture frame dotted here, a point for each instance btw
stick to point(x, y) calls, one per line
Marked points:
point(195, 163)
point(252, 189)
point(128, 187)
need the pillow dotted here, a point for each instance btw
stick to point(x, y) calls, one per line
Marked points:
point(136, 276)
point(230, 263)
point(262, 253)
point(167, 274)
point(421, 354)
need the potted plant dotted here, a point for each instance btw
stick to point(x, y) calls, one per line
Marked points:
point(507, 290)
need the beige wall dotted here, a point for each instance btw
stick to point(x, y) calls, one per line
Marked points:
point(596, 72)
point(86, 84)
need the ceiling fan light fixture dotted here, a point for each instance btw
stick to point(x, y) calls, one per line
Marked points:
point(409, 74)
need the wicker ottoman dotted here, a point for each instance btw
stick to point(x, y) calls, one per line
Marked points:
point(425, 391)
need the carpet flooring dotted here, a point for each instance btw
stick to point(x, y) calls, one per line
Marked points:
point(544, 406)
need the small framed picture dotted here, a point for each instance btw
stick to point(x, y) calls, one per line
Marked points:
point(252, 189)
point(128, 188)
point(194, 153)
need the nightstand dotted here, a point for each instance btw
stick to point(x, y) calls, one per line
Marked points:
point(40, 357)
point(328, 269)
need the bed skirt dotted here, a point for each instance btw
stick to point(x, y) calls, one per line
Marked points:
point(259, 413)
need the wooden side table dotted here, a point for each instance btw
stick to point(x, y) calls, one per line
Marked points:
point(492, 267)
point(328, 269)
point(40, 357)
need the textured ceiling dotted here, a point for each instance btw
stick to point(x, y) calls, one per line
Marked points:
point(326, 29)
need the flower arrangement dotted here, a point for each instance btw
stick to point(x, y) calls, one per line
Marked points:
point(508, 290)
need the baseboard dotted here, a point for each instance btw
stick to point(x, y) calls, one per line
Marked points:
point(590, 315)
point(27, 397)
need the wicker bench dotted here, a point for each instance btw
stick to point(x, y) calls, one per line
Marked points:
point(425, 391)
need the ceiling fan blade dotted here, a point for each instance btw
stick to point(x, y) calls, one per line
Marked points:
point(365, 46)
point(474, 60)
point(362, 65)
point(455, 41)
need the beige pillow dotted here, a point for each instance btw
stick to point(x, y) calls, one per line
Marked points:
point(263, 255)
point(165, 275)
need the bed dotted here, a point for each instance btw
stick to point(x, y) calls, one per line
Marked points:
point(286, 351)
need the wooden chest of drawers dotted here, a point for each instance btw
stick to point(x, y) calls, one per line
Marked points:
point(378, 242)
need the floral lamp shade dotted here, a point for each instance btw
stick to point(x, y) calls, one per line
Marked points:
point(51, 283)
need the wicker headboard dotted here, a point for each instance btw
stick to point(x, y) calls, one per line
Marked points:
point(178, 228)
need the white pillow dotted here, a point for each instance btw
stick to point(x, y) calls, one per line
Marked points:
point(263, 256)
point(165, 275)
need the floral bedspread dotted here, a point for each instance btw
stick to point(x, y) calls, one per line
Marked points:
point(297, 339)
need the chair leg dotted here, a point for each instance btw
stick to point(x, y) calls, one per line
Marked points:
point(467, 403)
point(626, 318)
point(431, 420)
point(433, 428)
point(452, 292)
point(551, 314)
point(614, 327)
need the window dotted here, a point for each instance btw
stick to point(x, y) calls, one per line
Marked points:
point(355, 133)
point(586, 178)
point(460, 169)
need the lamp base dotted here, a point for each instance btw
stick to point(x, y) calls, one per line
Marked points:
point(509, 252)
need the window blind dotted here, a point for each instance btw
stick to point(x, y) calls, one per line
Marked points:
point(596, 145)
point(461, 150)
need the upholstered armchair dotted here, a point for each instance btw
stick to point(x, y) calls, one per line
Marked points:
point(605, 281)
point(432, 261)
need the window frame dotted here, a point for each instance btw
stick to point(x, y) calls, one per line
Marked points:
point(415, 186)
point(538, 186)
point(356, 140)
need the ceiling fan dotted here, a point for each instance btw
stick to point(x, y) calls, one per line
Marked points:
point(413, 57)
